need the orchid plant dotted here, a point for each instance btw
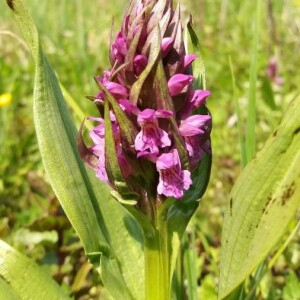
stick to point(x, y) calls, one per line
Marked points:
point(151, 136)
point(149, 159)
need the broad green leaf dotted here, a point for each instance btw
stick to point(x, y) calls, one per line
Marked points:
point(6, 292)
point(21, 278)
point(263, 200)
point(109, 234)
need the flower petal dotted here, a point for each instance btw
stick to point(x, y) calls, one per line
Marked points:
point(178, 82)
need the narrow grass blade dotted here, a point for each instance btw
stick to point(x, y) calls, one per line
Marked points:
point(190, 266)
point(251, 114)
point(239, 117)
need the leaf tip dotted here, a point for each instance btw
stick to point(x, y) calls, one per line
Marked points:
point(10, 3)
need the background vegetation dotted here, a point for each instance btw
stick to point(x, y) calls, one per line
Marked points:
point(75, 36)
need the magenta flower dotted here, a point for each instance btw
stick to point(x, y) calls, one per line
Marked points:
point(148, 97)
point(272, 71)
point(172, 179)
point(178, 82)
point(151, 137)
point(116, 89)
point(139, 64)
point(194, 125)
point(119, 48)
point(188, 59)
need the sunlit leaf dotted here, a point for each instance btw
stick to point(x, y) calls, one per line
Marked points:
point(105, 228)
point(21, 278)
point(263, 201)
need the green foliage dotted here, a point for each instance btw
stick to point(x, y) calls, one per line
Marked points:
point(20, 278)
point(104, 227)
point(75, 39)
point(263, 201)
point(292, 289)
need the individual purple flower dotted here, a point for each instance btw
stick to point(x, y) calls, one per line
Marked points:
point(172, 179)
point(166, 45)
point(188, 59)
point(119, 48)
point(116, 89)
point(97, 135)
point(151, 137)
point(194, 125)
point(197, 146)
point(178, 82)
point(195, 129)
point(139, 64)
point(196, 99)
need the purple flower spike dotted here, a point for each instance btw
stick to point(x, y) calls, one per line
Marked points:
point(152, 109)
point(172, 179)
point(151, 137)
point(178, 82)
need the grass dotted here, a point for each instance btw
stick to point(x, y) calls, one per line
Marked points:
point(75, 38)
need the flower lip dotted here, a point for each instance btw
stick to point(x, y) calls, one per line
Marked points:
point(172, 179)
point(167, 160)
point(151, 137)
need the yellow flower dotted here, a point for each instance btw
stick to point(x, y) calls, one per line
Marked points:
point(5, 99)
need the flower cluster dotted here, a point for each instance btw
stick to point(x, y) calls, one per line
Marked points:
point(158, 137)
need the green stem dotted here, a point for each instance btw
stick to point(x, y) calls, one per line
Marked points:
point(157, 268)
point(157, 260)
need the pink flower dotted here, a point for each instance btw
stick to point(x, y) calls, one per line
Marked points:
point(195, 100)
point(172, 179)
point(178, 82)
point(195, 129)
point(119, 48)
point(139, 64)
point(98, 149)
point(194, 125)
point(197, 146)
point(166, 45)
point(272, 71)
point(97, 134)
point(116, 89)
point(151, 137)
point(188, 59)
